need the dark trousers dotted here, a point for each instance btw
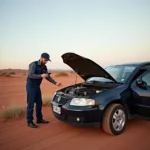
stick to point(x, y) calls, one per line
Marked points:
point(33, 96)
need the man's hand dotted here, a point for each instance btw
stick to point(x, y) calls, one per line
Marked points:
point(58, 84)
point(44, 75)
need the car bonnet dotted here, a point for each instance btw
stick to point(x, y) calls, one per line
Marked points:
point(85, 67)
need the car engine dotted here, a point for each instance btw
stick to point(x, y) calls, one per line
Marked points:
point(81, 91)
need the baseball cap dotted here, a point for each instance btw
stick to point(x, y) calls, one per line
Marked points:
point(46, 56)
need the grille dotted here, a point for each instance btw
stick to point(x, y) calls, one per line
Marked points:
point(60, 100)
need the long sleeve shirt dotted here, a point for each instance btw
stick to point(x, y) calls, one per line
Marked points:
point(36, 70)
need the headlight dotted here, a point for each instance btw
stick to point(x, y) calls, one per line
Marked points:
point(82, 102)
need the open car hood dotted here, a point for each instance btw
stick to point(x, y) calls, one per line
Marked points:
point(85, 67)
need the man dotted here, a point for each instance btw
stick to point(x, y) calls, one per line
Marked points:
point(36, 73)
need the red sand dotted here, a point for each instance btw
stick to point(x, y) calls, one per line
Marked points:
point(15, 134)
point(13, 89)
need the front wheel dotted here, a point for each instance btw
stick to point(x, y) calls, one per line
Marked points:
point(114, 119)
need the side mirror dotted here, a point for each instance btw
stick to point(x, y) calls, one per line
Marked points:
point(141, 83)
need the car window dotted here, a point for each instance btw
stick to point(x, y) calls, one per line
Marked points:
point(120, 73)
point(127, 72)
point(146, 78)
point(114, 71)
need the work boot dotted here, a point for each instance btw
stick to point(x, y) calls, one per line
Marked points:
point(32, 125)
point(42, 121)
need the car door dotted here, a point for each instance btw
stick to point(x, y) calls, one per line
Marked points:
point(141, 95)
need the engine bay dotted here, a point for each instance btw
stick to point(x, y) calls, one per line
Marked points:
point(83, 90)
point(86, 89)
point(80, 91)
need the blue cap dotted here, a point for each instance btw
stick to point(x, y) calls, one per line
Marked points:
point(46, 56)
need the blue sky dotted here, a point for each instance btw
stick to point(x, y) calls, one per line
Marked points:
point(108, 32)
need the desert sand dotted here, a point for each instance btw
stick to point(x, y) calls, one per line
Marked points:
point(16, 135)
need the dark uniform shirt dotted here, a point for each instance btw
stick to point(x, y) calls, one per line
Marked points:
point(34, 73)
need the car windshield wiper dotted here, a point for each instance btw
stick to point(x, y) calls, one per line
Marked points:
point(93, 81)
point(113, 82)
point(100, 82)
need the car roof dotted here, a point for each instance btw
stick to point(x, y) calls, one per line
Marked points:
point(134, 64)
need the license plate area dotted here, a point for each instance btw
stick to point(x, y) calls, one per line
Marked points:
point(57, 109)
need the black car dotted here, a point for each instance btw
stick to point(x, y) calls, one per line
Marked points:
point(107, 96)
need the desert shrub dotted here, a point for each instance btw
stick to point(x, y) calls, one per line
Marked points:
point(59, 74)
point(11, 112)
point(3, 73)
point(12, 73)
point(46, 100)
point(8, 74)
point(71, 71)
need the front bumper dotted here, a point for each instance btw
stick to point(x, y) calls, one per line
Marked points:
point(78, 115)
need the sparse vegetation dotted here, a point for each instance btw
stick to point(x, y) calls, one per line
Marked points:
point(7, 74)
point(71, 71)
point(46, 100)
point(59, 74)
point(2, 73)
point(11, 112)
point(12, 73)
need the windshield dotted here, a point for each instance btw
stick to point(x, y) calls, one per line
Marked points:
point(119, 73)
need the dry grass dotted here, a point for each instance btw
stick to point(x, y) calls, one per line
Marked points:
point(3, 73)
point(11, 112)
point(46, 100)
point(12, 73)
point(59, 74)
point(72, 71)
point(6, 74)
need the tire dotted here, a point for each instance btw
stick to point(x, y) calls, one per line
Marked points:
point(109, 121)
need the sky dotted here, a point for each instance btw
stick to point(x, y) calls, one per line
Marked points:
point(108, 32)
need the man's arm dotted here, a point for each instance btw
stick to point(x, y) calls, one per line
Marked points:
point(49, 78)
point(31, 72)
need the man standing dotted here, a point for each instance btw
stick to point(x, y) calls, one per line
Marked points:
point(37, 71)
